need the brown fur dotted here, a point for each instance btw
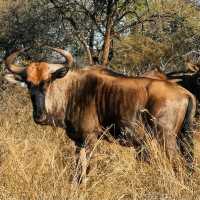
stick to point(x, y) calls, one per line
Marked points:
point(155, 74)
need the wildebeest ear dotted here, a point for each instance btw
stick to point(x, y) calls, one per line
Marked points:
point(59, 73)
point(14, 79)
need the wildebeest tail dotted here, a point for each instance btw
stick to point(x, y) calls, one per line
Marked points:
point(185, 140)
point(189, 115)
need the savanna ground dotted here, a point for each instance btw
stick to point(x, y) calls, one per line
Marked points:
point(37, 163)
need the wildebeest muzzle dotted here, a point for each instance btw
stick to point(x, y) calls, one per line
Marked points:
point(38, 102)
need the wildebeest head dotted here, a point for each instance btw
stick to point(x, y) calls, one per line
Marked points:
point(37, 76)
point(190, 81)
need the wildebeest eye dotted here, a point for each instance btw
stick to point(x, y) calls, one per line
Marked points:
point(29, 84)
point(42, 84)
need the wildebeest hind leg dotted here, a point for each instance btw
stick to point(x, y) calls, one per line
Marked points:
point(166, 137)
point(186, 146)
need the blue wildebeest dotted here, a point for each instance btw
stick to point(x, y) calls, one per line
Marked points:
point(85, 101)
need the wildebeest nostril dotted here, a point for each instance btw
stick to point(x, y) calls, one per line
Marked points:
point(40, 119)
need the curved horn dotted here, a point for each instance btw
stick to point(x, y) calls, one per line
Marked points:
point(9, 60)
point(54, 67)
point(176, 80)
point(179, 73)
point(68, 56)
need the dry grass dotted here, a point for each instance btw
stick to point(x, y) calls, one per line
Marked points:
point(37, 163)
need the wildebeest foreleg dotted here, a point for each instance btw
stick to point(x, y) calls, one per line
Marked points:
point(81, 164)
point(84, 158)
point(91, 143)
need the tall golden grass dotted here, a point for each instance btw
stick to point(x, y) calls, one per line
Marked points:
point(37, 163)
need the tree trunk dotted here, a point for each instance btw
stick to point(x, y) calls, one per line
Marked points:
point(88, 53)
point(106, 46)
point(111, 9)
point(91, 41)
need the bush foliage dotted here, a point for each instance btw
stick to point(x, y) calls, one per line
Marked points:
point(173, 29)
